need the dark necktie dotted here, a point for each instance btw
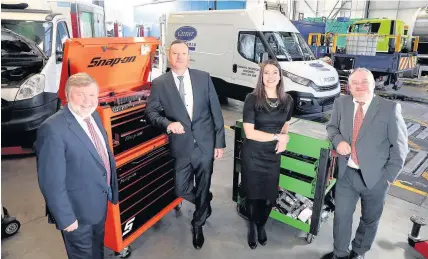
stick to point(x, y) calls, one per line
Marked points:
point(99, 148)
point(181, 88)
point(358, 121)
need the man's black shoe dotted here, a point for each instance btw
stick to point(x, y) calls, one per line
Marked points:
point(354, 255)
point(198, 237)
point(333, 256)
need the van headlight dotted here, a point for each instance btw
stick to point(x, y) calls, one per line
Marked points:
point(31, 87)
point(297, 79)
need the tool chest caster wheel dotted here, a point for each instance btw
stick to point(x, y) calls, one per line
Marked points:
point(125, 253)
point(178, 207)
point(9, 225)
point(310, 238)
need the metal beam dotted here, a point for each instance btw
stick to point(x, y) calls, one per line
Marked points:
point(367, 9)
point(338, 10)
point(293, 9)
point(333, 9)
point(306, 2)
point(398, 9)
point(153, 2)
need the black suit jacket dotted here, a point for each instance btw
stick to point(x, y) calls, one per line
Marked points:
point(71, 174)
point(207, 124)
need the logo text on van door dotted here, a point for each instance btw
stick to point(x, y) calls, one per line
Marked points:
point(186, 33)
point(97, 61)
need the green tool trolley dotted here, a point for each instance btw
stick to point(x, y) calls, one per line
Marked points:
point(308, 169)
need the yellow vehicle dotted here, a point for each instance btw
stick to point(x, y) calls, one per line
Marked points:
point(381, 27)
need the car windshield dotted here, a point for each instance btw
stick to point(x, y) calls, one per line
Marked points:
point(38, 31)
point(289, 46)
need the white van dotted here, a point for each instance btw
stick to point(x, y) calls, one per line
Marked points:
point(32, 37)
point(230, 44)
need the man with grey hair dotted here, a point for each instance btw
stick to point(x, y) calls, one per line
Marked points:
point(370, 137)
point(77, 170)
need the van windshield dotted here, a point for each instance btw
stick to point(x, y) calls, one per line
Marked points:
point(289, 46)
point(38, 31)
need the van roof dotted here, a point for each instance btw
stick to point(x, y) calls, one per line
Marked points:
point(25, 15)
point(262, 20)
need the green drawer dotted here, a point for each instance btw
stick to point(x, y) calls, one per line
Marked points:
point(299, 166)
point(297, 186)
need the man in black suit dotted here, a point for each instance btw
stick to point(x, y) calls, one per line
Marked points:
point(77, 170)
point(184, 102)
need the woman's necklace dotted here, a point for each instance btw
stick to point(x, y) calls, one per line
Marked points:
point(272, 104)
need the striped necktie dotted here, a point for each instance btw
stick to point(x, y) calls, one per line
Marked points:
point(98, 146)
point(358, 121)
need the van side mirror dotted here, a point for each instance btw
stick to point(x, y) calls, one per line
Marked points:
point(265, 56)
point(59, 56)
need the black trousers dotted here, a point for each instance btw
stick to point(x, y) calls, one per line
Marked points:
point(85, 242)
point(349, 189)
point(193, 182)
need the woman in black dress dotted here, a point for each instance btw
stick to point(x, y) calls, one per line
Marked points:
point(267, 111)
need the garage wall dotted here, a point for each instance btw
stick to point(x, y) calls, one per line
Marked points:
point(117, 11)
point(319, 8)
point(149, 14)
point(401, 10)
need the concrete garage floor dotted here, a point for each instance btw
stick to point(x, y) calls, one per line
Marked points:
point(225, 231)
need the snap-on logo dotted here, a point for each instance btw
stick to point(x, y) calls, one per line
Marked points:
point(97, 61)
point(186, 33)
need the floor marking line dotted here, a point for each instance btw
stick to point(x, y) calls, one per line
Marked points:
point(227, 127)
point(423, 123)
point(408, 188)
point(414, 145)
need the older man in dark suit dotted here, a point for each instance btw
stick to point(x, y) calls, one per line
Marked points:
point(185, 104)
point(77, 170)
point(370, 136)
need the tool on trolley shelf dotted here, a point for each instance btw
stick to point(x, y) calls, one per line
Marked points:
point(145, 167)
point(308, 169)
point(9, 225)
point(414, 239)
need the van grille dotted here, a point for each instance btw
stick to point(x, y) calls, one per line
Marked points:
point(327, 100)
point(324, 88)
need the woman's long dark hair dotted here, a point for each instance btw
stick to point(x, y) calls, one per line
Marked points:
point(260, 91)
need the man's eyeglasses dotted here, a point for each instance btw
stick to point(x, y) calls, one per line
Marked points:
point(362, 83)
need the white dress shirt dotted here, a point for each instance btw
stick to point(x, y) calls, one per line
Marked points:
point(366, 105)
point(83, 124)
point(188, 91)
